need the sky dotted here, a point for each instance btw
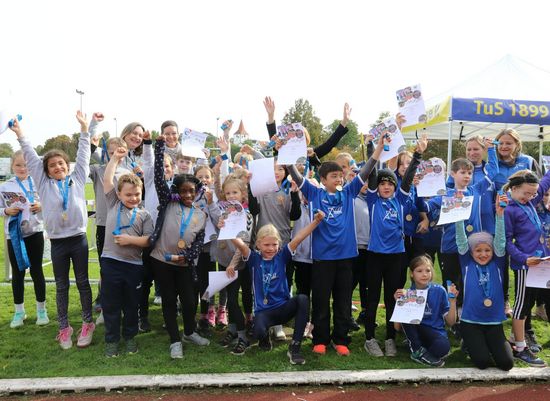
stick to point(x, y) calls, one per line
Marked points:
point(194, 62)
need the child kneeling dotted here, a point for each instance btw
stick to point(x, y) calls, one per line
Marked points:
point(428, 340)
point(272, 302)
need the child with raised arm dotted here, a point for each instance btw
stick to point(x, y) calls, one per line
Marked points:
point(66, 217)
point(272, 301)
point(428, 340)
point(126, 234)
point(333, 250)
point(481, 260)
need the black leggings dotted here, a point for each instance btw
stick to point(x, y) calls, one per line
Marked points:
point(35, 251)
point(204, 266)
point(235, 313)
point(176, 282)
point(451, 270)
point(486, 341)
point(297, 307)
point(360, 276)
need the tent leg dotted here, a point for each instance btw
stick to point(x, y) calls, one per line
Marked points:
point(450, 148)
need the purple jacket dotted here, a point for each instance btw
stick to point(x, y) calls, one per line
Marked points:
point(522, 236)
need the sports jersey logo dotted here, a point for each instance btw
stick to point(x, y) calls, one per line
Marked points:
point(428, 310)
point(333, 211)
point(390, 214)
point(268, 277)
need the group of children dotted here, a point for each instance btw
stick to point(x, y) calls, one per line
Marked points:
point(330, 227)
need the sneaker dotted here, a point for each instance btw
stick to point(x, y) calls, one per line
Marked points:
point(143, 326)
point(196, 339)
point(111, 350)
point(265, 344)
point(176, 351)
point(211, 316)
point(279, 333)
point(18, 319)
point(353, 326)
point(100, 319)
point(424, 357)
point(373, 348)
point(361, 318)
point(320, 349)
point(341, 350)
point(507, 309)
point(354, 308)
point(65, 337)
point(228, 339)
point(531, 341)
point(308, 332)
point(85, 335)
point(221, 316)
point(241, 347)
point(529, 358)
point(294, 354)
point(131, 346)
point(540, 312)
point(42, 318)
point(390, 347)
point(203, 328)
point(157, 300)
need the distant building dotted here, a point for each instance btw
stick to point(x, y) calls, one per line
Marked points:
point(240, 135)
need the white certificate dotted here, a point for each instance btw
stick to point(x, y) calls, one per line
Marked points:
point(539, 276)
point(388, 128)
point(217, 281)
point(410, 307)
point(263, 176)
point(210, 233)
point(234, 217)
point(455, 209)
point(294, 143)
point(192, 143)
point(432, 178)
point(411, 105)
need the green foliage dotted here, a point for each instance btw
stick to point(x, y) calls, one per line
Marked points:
point(302, 112)
point(6, 150)
point(64, 143)
point(381, 117)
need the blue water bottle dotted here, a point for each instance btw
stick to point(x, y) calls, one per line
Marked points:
point(501, 203)
point(449, 283)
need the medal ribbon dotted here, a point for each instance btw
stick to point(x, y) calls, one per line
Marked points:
point(64, 191)
point(184, 224)
point(118, 228)
point(30, 193)
point(483, 278)
point(266, 280)
point(532, 215)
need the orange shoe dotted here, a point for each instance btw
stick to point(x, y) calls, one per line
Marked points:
point(341, 350)
point(320, 349)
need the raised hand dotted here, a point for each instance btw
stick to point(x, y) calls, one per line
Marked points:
point(95, 140)
point(161, 138)
point(422, 144)
point(15, 127)
point(147, 136)
point(400, 120)
point(98, 117)
point(81, 117)
point(488, 142)
point(120, 153)
point(501, 198)
point(222, 144)
point(247, 149)
point(345, 117)
point(269, 105)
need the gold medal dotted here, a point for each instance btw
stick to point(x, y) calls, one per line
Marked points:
point(408, 217)
point(181, 244)
point(487, 302)
point(339, 188)
point(289, 178)
point(281, 199)
point(265, 301)
point(469, 228)
point(541, 239)
point(222, 245)
point(195, 220)
point(64, 216)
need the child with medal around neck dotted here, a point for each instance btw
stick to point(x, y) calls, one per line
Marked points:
point(428, 340)
point(127, 233)
point(273, 304)
point(65, 217)
point(482, 263)
point(525, 243)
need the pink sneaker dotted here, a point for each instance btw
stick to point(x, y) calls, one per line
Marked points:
point(65, 337)
point(85, 335)
point(221, 317)
point(211, 316)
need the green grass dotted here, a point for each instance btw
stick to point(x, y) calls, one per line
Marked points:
point(32, 351)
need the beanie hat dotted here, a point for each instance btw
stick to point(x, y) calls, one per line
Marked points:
point(386, 175)
point(480, 238)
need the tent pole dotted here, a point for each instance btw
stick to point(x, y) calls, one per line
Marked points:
point(541, 145)
point(450, 146)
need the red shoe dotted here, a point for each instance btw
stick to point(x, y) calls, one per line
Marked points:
point(320, 349)
point(341, 350)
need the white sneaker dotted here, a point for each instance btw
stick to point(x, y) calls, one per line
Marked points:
point(279, 333)
point(373, 348)
point(195, 338)
point(86, 334)
point(157, 301)
point(65, 337)
point(100, 319)
point(308, 332)
point(390, 347)
point(18, 319)
point(354, 308)
point(42, 317)
point(176, 351)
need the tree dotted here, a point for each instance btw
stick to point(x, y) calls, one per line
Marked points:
point(351, 140)
point(5, 150)
point(64, 143)
point(302, 112)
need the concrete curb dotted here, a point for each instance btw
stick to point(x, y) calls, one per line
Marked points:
point(152, 382)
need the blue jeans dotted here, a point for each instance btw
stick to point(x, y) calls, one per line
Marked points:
point(296, 307)
point(120, 293)
point(419, 335)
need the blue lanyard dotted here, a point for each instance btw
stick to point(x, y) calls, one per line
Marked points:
point(266, 278)
point(28, 194)
point(118, 227)
point(285, 186)
point(104, 154)
point(483, 278)
point(337, 198)
point(533, 217)
point(184, 224)
point(64, 191)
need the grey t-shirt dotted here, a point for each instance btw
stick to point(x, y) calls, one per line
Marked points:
point(142, 226)
point(170, 235)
